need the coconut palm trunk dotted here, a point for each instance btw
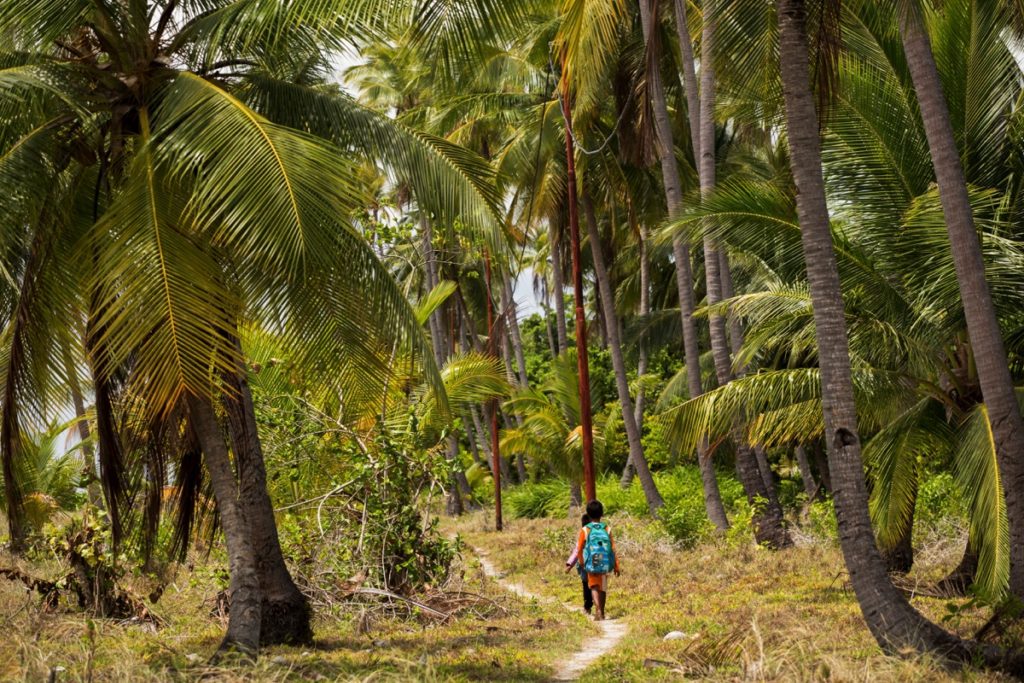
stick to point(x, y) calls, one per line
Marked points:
point(439, 341)
point(894, 623)
point(558, 282)
point(636, 452)
point(245, 596)
point(285, 613)
point(681, 255)
point(642, 352)
point(982, 323)
point(515, 334)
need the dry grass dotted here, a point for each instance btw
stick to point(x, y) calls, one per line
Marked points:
point(749, 614)
point(501, 638)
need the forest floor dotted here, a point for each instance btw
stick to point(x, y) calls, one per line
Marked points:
point(745, 614)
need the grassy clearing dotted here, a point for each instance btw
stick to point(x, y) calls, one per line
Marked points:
point(500, 638)
point(749, 614)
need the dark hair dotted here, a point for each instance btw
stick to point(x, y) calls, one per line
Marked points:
point(585, 520)
point(595, 510)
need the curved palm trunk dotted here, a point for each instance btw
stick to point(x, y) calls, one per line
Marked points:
point(982, 324)
point(285, 613)
point(245, 597)
point(636, 452)
point(894, 623)
point(681, 256)
point(959, 581)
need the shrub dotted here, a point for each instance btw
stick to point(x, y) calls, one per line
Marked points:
point(687, 523)
point(939, 501)
point(822, 520)
point(549, 498)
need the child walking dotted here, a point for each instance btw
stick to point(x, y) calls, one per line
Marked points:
point(574, 559)
point(597, 549)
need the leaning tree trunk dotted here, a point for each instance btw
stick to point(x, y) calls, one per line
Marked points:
point(285, 610)
point(681, 254)
point(244, 595)
point(636, 452)
point(982, 323)
point(894, 623)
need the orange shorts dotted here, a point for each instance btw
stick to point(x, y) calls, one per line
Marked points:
point(598, 581)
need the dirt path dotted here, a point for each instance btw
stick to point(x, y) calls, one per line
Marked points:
point(612, 630)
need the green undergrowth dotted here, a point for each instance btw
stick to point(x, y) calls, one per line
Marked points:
point(683, 516)
point(746, 613)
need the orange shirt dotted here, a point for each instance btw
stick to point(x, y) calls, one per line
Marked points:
point(581, 541)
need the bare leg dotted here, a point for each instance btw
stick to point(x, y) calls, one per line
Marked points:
point(601, 596)
point(598, 604)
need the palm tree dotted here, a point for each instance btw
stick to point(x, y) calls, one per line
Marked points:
point(552, 431)
point(982, 323)
point(173, 148)
point(49, 474)
point(636, 454)
point(681, 253)
point(769, 525)
point(892, 620)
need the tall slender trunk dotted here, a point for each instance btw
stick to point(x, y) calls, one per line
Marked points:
point(514, 349)
point(515, 334)
point(681, 255)
point(636, 452)
point(894, 623)
point(689, 76)
point(641, 365)
point(982, 323)
point(735, 327)
point(552, 346)
point(645, 311)
point(558, 282)
point(285, 612)
point(245, 598)
point(493, 404)
point(582, 365)
point(458, 484)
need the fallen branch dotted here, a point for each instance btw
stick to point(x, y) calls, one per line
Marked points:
point(389, 594)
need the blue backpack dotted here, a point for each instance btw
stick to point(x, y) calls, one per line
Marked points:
point(598, 556)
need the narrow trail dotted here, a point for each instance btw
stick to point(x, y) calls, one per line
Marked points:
point(612, 630)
